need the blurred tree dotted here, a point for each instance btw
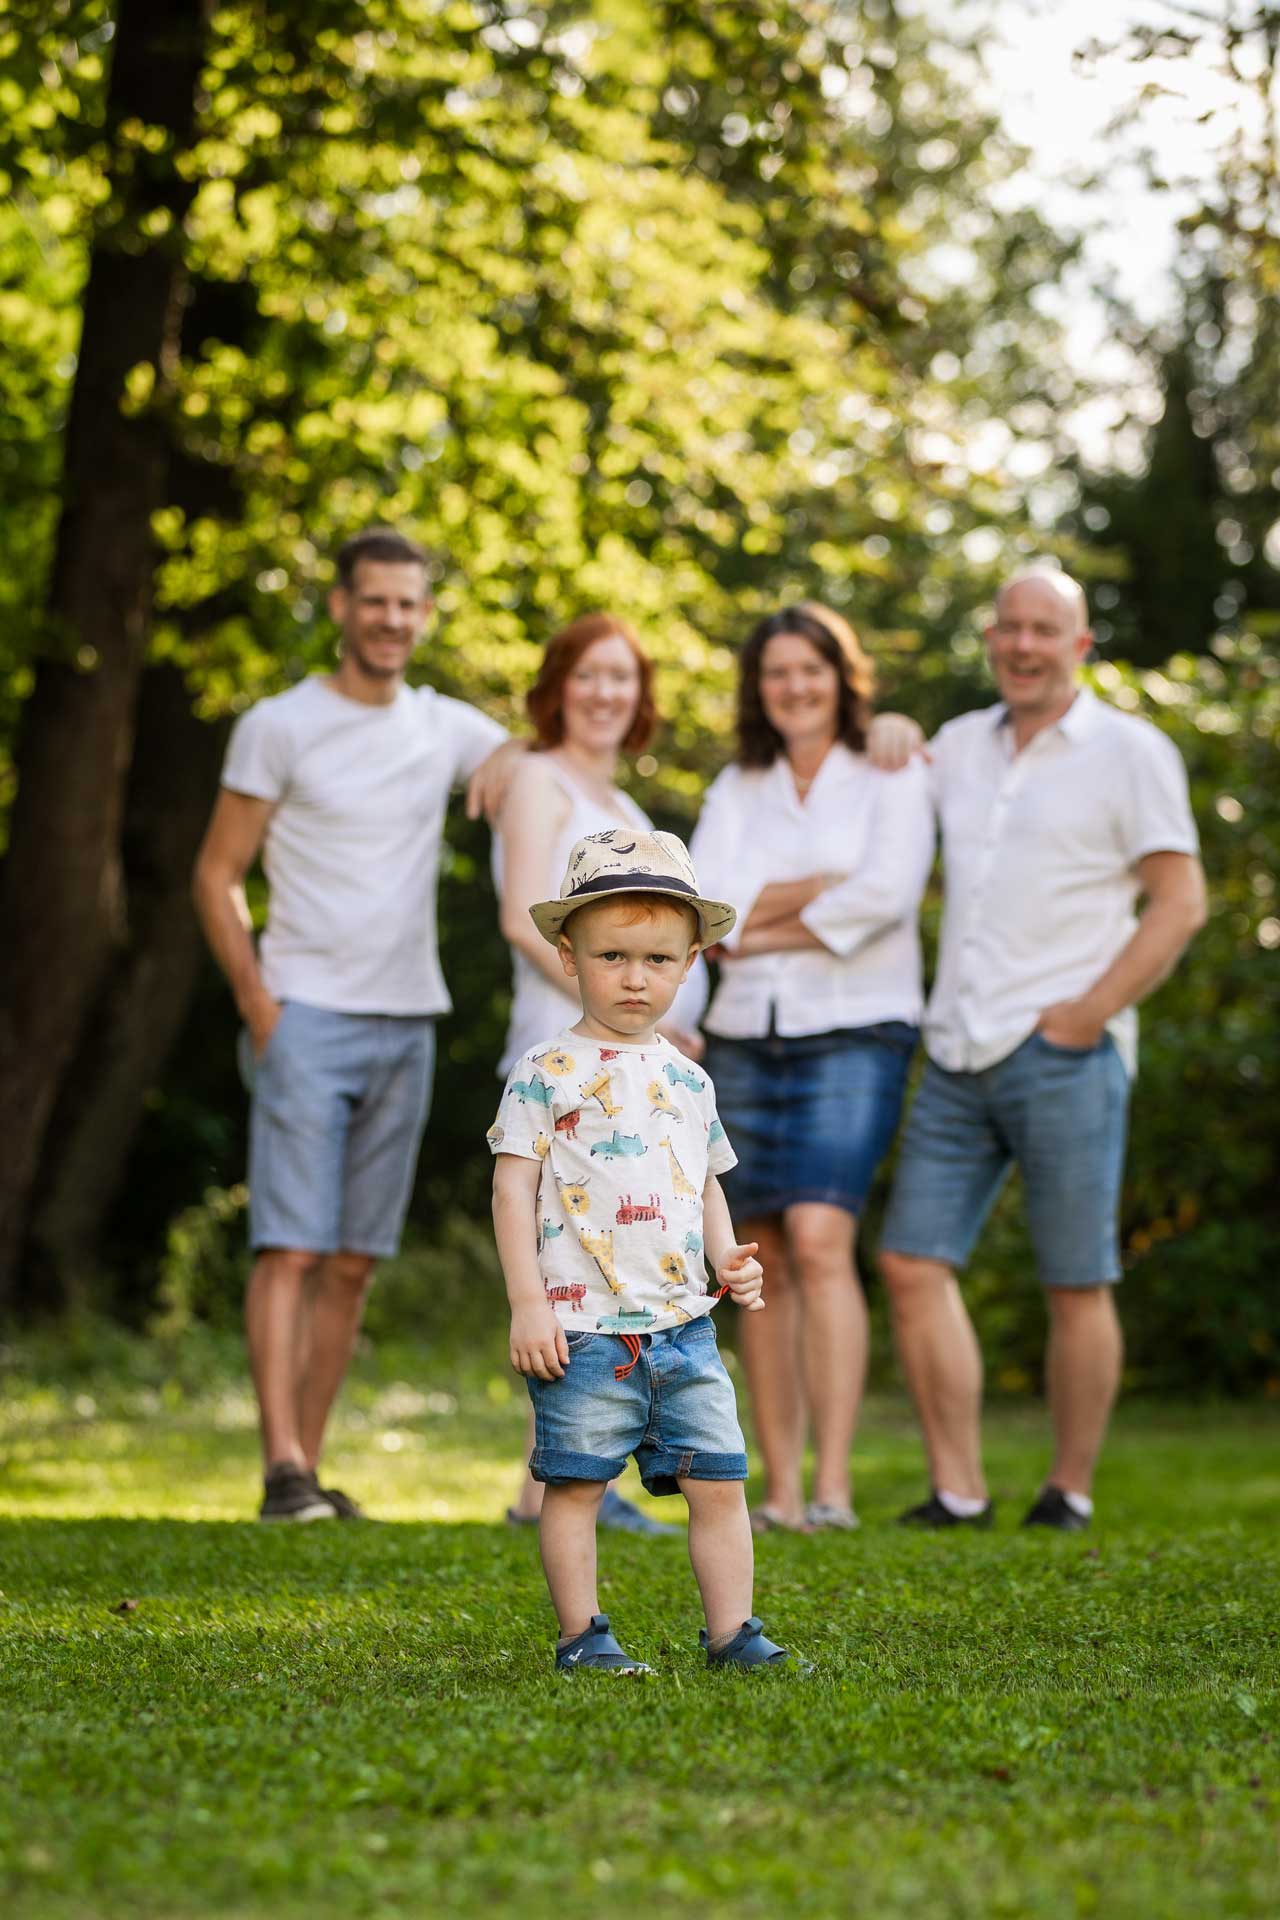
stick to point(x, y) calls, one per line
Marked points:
point(680, 309)
point(1189, 538)
point(61, 884)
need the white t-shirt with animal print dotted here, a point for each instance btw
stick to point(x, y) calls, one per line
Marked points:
point(626, 1135)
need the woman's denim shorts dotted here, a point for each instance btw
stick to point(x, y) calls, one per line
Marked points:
point(809, 1118)
point(674, 1410)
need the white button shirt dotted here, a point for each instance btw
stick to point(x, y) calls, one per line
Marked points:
point(877, 828)
point(1039, 850)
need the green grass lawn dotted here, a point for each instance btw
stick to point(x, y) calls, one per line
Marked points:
point(354, 1721)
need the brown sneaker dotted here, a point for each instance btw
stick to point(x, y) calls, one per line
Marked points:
point(292, 1493)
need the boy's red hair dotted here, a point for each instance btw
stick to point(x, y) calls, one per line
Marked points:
point(633, 908)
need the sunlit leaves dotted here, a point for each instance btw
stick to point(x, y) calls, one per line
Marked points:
point(613, 304)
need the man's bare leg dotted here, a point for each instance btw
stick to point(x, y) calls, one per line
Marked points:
point(940, 1357)
point(833, 1340)
point(771, 1356)
point(1082, 1371)
point(274, 1313)
point(332, 1321)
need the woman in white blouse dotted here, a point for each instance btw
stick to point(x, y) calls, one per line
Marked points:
point(812, 1025)
point(591, 702)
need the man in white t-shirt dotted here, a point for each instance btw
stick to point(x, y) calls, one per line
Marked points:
point(1057, 813)
point(342, 783)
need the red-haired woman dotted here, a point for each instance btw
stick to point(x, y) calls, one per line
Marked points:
point(591, 702)
point(812, 1027)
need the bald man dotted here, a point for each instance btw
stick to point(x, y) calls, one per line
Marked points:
point(1059, 814)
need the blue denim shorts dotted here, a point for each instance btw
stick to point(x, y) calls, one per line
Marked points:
point(809, 1118)
point(1060, 1115)
point(675, 1411)
point(339, 1104)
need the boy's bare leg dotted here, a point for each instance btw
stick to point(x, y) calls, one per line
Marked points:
point(332, 1317)
point(567, 1539)
point(721, 1552)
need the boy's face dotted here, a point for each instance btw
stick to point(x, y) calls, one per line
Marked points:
point(628, 971)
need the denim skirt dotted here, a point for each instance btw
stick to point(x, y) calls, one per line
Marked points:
point(810, 1118)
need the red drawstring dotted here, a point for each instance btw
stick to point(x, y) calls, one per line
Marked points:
point(631, 1341)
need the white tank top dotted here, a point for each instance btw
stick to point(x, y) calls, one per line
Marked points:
point(539, 1011)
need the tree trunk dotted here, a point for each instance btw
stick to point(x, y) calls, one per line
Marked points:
point(61, 893)
point(137, 1015)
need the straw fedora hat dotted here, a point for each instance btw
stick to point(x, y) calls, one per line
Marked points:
point(620, 860)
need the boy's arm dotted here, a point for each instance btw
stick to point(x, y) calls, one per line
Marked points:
point(733, 1263)
point(538, 1344)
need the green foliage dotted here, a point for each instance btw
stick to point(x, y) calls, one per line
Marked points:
point(1202, 1222)
point(363, 1720)
point(614, 304)
point(202, 1273)
point(1189, 538)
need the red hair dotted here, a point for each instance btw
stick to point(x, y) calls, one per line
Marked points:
point(633, 909)
point(544, 701)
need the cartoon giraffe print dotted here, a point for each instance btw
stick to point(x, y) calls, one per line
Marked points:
point(601, 1089)
point(600, 1247)
point(681, 1186)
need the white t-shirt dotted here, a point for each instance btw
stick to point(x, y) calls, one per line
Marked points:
point(352, 847)
point(1039, 851)
point(875, 827)
point(627, 1136)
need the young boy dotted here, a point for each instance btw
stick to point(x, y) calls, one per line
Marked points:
point(605, 1200)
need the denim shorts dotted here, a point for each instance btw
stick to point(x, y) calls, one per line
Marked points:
point(1060, 1115)
point(675, 1411)
point(809, 1118)
point(339, 1104)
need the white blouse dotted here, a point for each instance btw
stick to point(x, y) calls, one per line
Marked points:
point(878, 828)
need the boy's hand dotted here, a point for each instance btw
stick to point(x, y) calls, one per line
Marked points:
point(743, 1276)
point(538, 1345)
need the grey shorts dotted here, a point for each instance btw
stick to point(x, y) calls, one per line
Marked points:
point(1060, 1115)
point(339, 1104)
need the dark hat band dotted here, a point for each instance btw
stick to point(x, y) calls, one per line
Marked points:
point(630, 882)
